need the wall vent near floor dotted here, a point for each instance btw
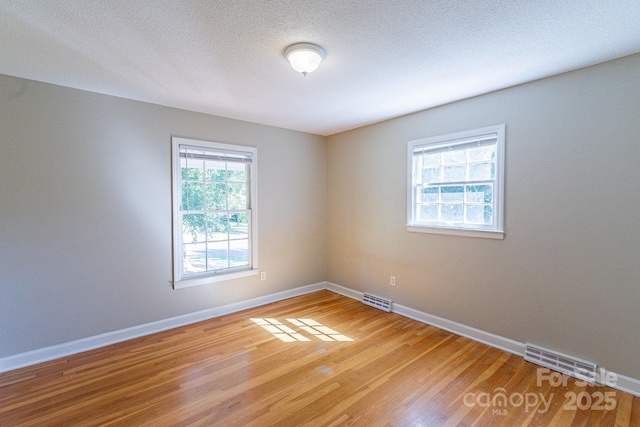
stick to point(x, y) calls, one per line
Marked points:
point(377, 302)
point(568, 365)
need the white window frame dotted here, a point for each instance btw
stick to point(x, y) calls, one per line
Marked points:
point(493, 231)
point(180, 280)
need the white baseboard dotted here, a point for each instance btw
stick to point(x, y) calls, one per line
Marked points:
point(623, 383)
point(85, 344)
point(492, 340)
point(344, 291)
point(626, 384)
point(487, 338)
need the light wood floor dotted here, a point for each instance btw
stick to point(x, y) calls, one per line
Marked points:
point(234, 371)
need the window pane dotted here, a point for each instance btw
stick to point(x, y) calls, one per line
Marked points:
point(193, 228)
point(217, 226)
point(475, 214)
point(452, 213)
point(194, 257)
point(428, 213)
point(417, 170)
point(482, 153)
point(431, 160)
point(239, 226)
point(237, 196)
point(216, 197)
point(457, 156)
point(239, 254)
point(488, 214)
point(215, 171)
point(191, 169)
point(452, 194)
point(237, 172)
point(479, 193)
point(218, 256)
point(430, 175)
point(454, 173)
point(430, 195)
point(481, 171)
point(192, 196)
point(479, 214)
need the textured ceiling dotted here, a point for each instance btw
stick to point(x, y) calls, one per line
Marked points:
point(384, 58)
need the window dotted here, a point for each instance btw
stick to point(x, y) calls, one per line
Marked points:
point(455, 183)
point(214, 212)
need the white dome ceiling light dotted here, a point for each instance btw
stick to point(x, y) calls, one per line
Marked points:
point(304, 57)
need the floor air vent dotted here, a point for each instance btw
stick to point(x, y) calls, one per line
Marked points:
point(568, 365)
point(377, 302)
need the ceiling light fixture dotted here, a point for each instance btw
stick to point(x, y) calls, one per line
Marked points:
point(304, 57)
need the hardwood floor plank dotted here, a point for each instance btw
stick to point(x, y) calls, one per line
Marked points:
point(236, 370)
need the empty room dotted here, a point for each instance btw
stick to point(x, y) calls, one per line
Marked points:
point(321, 213)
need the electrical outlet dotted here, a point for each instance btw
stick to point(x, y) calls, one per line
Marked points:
point(263, 275)
point(392, 280)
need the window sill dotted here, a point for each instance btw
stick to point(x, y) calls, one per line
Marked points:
point(187, 283)
point(484, 234)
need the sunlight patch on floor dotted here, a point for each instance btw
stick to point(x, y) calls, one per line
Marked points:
point(310, 326)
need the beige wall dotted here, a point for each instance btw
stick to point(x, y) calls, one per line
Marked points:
point(85, 213)
point(567, 275)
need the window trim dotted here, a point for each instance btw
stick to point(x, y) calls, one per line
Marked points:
point(452, 139)
point(179, 279)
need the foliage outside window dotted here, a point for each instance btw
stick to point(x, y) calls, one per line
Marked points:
point(214, 211)
point(455, 183)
